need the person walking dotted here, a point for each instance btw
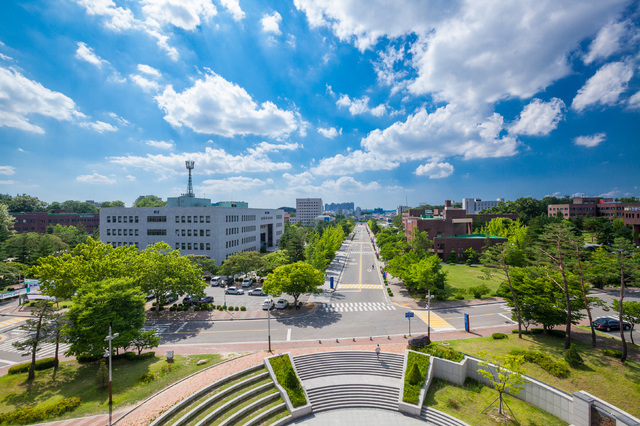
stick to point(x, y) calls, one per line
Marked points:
point(378, 352)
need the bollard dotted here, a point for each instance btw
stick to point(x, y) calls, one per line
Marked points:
point(405, 336)
point(337, 341)
point(388, 337)
point(320, 341)
point(354, 339)
point(370, 338)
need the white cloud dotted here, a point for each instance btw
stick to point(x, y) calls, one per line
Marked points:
point(20, 97)
point(185, 14)
point(95, 178)
point(361, 106)
point(160, 144)
point(590, 141)
point(435, 170)
point(217, 106)
point(163, 44)
point(120, 120)
point(7, 182)
point(86, 53)
point(5, 57)
point(7, 170)
point(301, 185)
point(146, 69)
point(354, 162)
point(118, 18)
point(384, 67)
point(539, 118)
point(271, 23)
point(145, 85)
point(291, 41)
point(604, 87)
point(330, 132)
point(212, 161)
point(329, 90)
point(607, 42)
point(99, 126)
point(22, 150)
point(233, 6)
point(634, 101)
point(234, 183)
point(131, 178)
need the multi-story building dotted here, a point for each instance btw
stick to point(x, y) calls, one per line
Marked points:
point(333, 207)
point(307, 209)
point(475, 205)
point(38, 221)
point(400, 209)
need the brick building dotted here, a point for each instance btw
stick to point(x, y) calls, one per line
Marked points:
point(38, 221)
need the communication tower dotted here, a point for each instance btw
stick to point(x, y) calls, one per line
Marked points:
point(189, 164)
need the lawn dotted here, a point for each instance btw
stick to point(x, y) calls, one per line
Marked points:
point(602, 376)
point(467, 402)
point(460, 277)
point(74, 379)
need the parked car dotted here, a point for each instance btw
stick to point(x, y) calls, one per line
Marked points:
point(282, 304)
point(187, 300)
point(247, 282)
point(229, 281)
point(257, 292)
point(206, 299)
point(170, 299)
point(267, 304)
point(608, 324)
point(216, 281)
point(234, 290)
point(150, 297)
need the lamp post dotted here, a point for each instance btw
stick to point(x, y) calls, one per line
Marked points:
point(109, 338)
point(269, 326)
point(429, 315)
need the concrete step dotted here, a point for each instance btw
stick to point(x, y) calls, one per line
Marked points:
point(220, 411)
point(315, 365)
point(251, 408)
point(353, 396)
point(260, 418)
point(438, 418)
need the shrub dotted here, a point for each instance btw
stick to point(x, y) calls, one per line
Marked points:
point(147, 378)
point(220, 308)
point(441, 352)
point(499, 336)
point(131, 356)
point(166, 369)
point(285, 374)
point(229, 308)
point(548, 364)
point(291, 380)
point(414, 377)
point(84, 359)
point(238, 307)
point(612, 353)
point(557, 333)
point(41, 364)
point(414, 374)
point(153, 304)
point(243, 308)
point(573, 358)
point(32, 415)
point(479, 291)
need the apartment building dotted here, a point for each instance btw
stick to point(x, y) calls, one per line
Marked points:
point(307, 210)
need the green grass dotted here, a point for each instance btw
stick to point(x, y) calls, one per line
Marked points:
point(244, 419)
point(460, 277)
point(467, 402)
point(233, 409)
point(74, 379)
point(412, 392)
point(282, 367)
point(602, 376)
point(441, 351)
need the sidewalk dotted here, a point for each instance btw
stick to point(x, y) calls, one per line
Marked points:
point(336, 267)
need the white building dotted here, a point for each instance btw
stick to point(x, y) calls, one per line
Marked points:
point(217, 232)
point(307, 209)
point(400, 209)
point(474, 205)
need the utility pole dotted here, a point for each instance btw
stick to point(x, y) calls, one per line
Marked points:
point(110, 337)
point(429, 315)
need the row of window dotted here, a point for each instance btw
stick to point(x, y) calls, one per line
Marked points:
point(156, 219)
point(267, 217)
point(248, 228)
point(187, 232)
point(232, 218)
point(248, 217)
point(122, 219)
point(279, 225)
point(248, 239)
point(156, 232)
point(233, 243)
point(194, 246)
point(278, 233)
point(187, 219)
point(56, 220)
point(131, 232)
point(120, 244)
point(232, 231)
point(278, 216)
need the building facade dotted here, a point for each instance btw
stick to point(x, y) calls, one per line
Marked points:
point(38, 222)
point(475, 205)
point(307, 209)
point(217, 232)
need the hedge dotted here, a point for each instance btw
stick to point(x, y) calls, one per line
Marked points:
point(548, 364)
point(135, 357)
point(441, 352)
point(499, 336)
point(41, 364)
point(32, 414)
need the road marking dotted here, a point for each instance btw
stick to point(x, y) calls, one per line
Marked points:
point(437, 323)
point(8, 362)
point(218, 331)
point(44, 349)
point(510, 320)
point(357, 307)
point(288, 335)
point(181, 327)
point(360, 279)
point(360, 286)
point(12, 321)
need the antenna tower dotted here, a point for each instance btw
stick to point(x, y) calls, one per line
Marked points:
point(189, 165)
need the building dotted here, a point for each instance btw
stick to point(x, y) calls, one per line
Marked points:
point(475, 205)
point(334, 207)
point(400, 209)
point(307, 209)
point(240, 204)
point(38, 221)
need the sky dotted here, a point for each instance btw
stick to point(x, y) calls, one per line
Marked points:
point(375, 102)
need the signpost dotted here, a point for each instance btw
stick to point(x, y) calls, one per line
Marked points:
point(466, 322)
point(409, 315)
point(330, 282)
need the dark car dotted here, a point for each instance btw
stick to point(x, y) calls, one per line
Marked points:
point(189, 300)
point(608, 324)
point(206, 299)
point(170, 299)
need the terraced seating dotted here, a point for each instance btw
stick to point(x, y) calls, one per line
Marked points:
point(323, 364)
point(247, 397)
point(353, 396)
point(438, 418)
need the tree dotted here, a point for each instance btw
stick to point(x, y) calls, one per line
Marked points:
point(6, 223)
point(149, 201)
point(31, 246)
point(505, 375)
point(514, 231)
point(293, 241)
point(161, 272)
point(26, 204)
point(472, 255)
point(115, 301)
point(579, 268)
point(274, 260)
point(453, 257)
point(397, 221)
point(242, 262)
point(38, 330)
point(204, 263)
point(630, 313)
point(427, 274)
point(146, 340)
point(420, 243)
point(116, 203)
point(322, 248)
point(373, 226)
point(70, 235)
point(294, 279)
point(57, 322)
point(10, 273)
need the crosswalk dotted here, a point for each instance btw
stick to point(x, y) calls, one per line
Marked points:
point(357, 307)
point(11, 321)
point(437, 323)
point(158, 328)
point(46, 349)
point(360, 286)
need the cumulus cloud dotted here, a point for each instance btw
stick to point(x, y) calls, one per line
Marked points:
point(608, 41)
point(86, 53)
point(212, 161)
point(7, 170)
point(216, 106)
point(605, 87)
point(539, 118)
point(634, 101)
point(131, 178)
point(185, 14)
point(233, 6)
point(385, 67)
point(144, 84)
point(95, 178)
point(21, 97)
point(271, 23)
point(160, 144)
point(590, 141)
point(301, 185)
point(99, 126)
point(7, 182)
point(330, 133)
point(119, 119)
point(117, 18)
point(361, 106)
point(234, 183)
point(146, 69)
point(435, 170)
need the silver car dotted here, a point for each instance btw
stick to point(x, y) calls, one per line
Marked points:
point(257, 292)
point(234, 290)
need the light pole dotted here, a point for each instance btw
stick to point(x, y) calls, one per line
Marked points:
point(429, 315)
point(109, 338)
point(269, 326)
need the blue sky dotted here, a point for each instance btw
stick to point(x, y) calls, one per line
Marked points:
point(367, 101)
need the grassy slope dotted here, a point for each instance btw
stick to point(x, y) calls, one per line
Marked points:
point(73, 379)
point(461, 277)
point(602, 376)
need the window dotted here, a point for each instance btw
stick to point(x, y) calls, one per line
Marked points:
point(177, 232)
point(183, 219)
point(125, 219)
point(119, 219)
point(202, 232)
point(177, 246)
point(188, 246)
point(108, 219)
point(125, 233)
point(184, 246)
point(188, 219)
point(208, 232)
point(208, 245)
point(156, 232)
point(155, 219)
point(177, 219)
point(202, 219)
point(136, 236)
point(119, 231)
point(201, 246)
point(131, 219)
point(184, 233)
point(188, 232)
point(208, 219)
point(195, 246)
point(108, 232)
point(195, 219)
point(136, 222)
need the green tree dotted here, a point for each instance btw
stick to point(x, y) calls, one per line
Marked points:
point(274, 260)
point(322, 248)
point(241, 263)
point(6, 223)
point(630, 313)
point(373, 226)
point(453, 257)
point(420, 243)
point(294, 279)
point(149, 201)
point(37, 329)
point(293, 241)
point(116, 203)
point(472, 255)
point(146, 340)
point(26, 204)
point(70, 235)
point(397, 221)
point(31, 246)
point(427, 274)
point(115, 301)
point(10, 273)
point(514, 230)
point(204, 263)
point(505, 375)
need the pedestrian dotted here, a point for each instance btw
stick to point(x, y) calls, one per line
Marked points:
point(297, 306)
point(378, 352)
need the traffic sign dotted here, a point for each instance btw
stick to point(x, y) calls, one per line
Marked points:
point(409, 315)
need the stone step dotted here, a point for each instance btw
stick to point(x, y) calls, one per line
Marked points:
point(220, 411)
point(438, 418)
point(262, 417)
point(348, 363)
point(353, 396)
point(233, 419)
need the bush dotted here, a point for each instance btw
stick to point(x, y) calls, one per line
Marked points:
point(557, 333)
point(548, 364)
point(238, 308)
point(499, 336)
point(612, 353)
point(131, 356)
point(414, 374)
point(441, 352)
point(573, 358)
point(166, 369)
point(84, 359)
point(243, 308)
point(32, 415)
point(147, 378)
point(292, 381)
point(479, 291)
point(41, 364)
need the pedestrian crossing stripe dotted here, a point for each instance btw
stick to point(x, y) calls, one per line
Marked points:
point(45, 349)
point(357, 307)
point(159, 329)
point(360, 286)
point(437, 323)
point(12, 321)
point(360, 252)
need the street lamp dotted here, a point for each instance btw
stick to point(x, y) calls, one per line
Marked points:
point(109, 338)
point(269, 326)
point(429, 315)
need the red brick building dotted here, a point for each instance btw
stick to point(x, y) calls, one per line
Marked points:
point(38, 222)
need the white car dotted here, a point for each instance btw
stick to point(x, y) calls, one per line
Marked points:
point(247, 282)
point(234, 290)
point(215, 281)
point(257, 292)
point(267, 304)
point(282, 304)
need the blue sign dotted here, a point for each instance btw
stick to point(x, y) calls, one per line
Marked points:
point(409, 315)
point(330, 282)
point(466, 322)
point(156, 211)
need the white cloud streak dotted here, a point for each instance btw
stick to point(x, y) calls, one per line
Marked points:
point(590, 141)
point(160, 144)
point(86, 53)
point(96, 179)
point(99, 126)
point(146, 69)
point(7, 170)
point(329, 133)
point(605, 87)
point(233, 7)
